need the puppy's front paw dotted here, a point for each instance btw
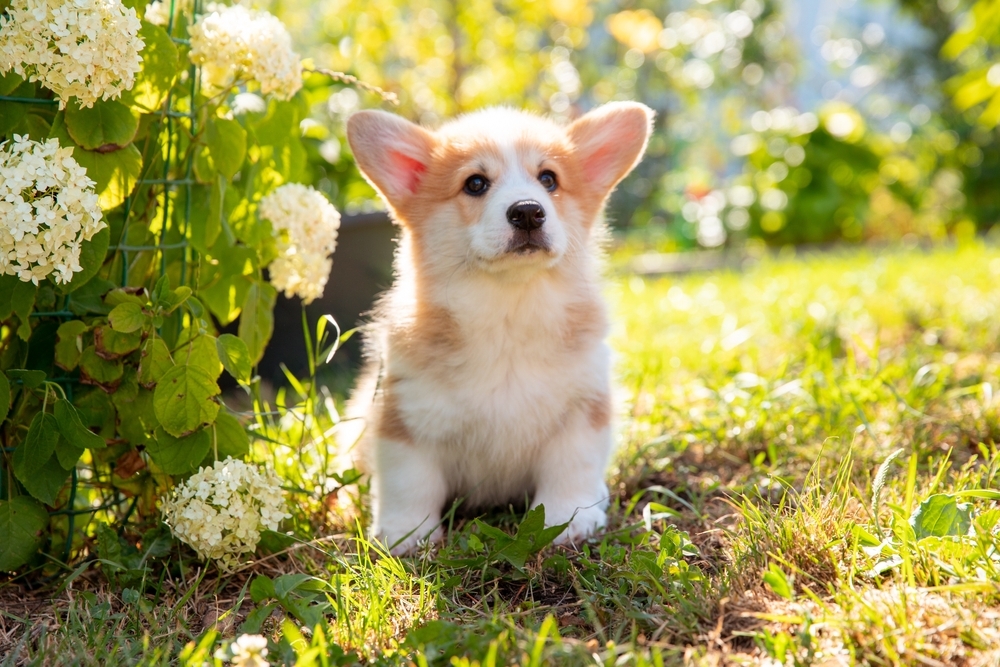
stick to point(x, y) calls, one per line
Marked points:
point(584, 523)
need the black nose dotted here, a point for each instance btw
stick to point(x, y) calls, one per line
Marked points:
point(526, 215)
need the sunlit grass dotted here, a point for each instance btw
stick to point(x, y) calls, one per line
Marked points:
point(780, 429)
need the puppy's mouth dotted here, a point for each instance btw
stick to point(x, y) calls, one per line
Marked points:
point(528, 243)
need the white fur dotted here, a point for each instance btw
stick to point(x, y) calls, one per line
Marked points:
point(504, 415)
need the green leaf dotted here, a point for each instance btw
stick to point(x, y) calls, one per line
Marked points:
point(226, 296)
point(204, 166)
point(127, 317)
point(235, 357)
point(532, 536)
point(29, 379)
point(201, 352)
point(160, 289)
point(154, 362)
point(97, 411)
point(262, 588)
point(776, 578)
point(112, 344)
point(23, 302)
point(7, 285)
point(118, 296)
point(69, 346)
point(35, 126)
point(128, 389)
point(8, 82)
point(73, 430)
point(183, 400)
point(209, 205)
point(115, 173)
point(4, 397)
point(67, 454)
point(88, 299)
point(107, 125)
point(227, 144)
point(22, 522)
point(13, 113)
point(941, 515)
point(230, 437)
point(97, 370)
point(178, 456)
point(172, 300)
point(46, 482)
point(160, 69)
point(38, 446)
point(257, 320)
point(255, 619)
point(34, 461)
point(274, 128)
point(141, 422)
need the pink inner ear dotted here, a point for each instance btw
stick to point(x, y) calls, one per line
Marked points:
point(599, 163)
point(407, 170)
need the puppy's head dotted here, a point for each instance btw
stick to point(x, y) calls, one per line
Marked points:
point(499, 190)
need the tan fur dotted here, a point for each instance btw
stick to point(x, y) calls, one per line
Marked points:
point(492, 376)
point(598, 411)
point(389, 422)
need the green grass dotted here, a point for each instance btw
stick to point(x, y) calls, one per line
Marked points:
point(807, 473)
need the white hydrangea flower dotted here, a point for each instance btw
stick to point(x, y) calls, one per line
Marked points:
point(235, 43)
point(250, 651)
point(48, 208)
point(158, 13)
point(305, 226)
point(220, 511)
point(87, 49)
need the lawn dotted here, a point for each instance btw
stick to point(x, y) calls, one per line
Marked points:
point(807, 473)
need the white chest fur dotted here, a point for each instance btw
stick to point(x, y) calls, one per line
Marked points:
point(520, 361)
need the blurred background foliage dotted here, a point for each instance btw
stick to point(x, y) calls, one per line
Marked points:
point(779, 121)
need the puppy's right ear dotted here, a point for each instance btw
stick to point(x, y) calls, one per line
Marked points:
point(391, 152)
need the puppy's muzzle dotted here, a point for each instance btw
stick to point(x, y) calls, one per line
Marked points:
point(526, 215)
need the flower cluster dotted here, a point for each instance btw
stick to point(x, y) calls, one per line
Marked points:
point(87, 49)
point(157, 13)
point(221, 511)
point(48, 208)
point(305, 225)
point(235, 44)
point(249, 651)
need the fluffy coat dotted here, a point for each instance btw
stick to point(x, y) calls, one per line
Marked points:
point(488, 376)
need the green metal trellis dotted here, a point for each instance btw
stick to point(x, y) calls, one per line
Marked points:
point(176, 174)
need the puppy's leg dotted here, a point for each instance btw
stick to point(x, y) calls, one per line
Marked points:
point(408, 493)
point(570, 478)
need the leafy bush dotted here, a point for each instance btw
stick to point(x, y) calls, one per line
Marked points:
point(110, 366)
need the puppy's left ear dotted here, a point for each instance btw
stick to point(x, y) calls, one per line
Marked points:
point(391, 152)
point(610, 141)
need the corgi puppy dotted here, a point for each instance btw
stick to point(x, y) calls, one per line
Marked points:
point(488, 374)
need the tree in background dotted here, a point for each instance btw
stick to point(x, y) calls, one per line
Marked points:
point(734, 155)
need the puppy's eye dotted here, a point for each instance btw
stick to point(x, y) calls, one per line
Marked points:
point(548, 180)
point(476, 185)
